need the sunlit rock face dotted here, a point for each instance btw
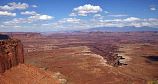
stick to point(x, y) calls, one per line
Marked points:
point(11, 53)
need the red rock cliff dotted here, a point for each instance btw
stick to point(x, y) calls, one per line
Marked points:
point(11, 53)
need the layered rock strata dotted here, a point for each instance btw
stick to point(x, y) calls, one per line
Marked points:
point(11, 53)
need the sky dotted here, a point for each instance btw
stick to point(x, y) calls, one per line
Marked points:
point(65, 15)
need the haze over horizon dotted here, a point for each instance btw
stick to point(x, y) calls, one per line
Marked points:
point(62, 15)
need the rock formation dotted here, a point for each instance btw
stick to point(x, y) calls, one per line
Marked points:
point(11, 53)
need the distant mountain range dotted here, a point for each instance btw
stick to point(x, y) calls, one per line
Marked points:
point(120, 29)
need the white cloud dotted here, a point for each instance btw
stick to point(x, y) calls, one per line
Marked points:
point(72, 14)
point(45, 17)
point(77, 24)
point(29, 20)
point(17, 21)
point(106, 12)
point(70, 23)
point(34, 6)
point(65, 24)
point(41, 17)
point(46, 24)
point(152, 8)
point(87, 9)
point(14, 6)
point(119, 15)
point(97, 15)
point(2, 26)
point(29, 13)
point(113, 20)
point(132, 19)
point(70, 20)
point(36, 16)
point(6, 13)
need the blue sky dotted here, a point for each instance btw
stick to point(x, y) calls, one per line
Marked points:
point(58, 15)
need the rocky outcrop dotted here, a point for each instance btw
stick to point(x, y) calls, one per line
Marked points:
point(11, 53)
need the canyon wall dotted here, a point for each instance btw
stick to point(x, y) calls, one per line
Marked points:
point(11, 53)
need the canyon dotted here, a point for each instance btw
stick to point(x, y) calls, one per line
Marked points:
point(92, 57)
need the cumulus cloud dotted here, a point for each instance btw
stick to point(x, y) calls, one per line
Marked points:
point(72, 14)
point(14, 6)
point(87, 9)
point(41, 17)
point(2, 26)
point(97, 15)
point(130, 21)
point(84, 24)
point(6, 13)
point(152, 8)
point(77, 24)
point(30, 19)
point(119, 15)
point(17, 21)
point(65, 24)
point(37, 16)
point(29, 13)
point(106, 12)
point(34, 6)
point(70, 20)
